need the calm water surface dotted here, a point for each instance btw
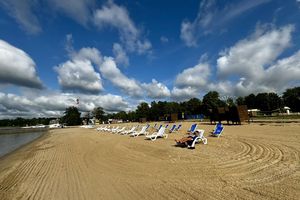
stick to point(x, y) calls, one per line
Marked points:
point(11, 142)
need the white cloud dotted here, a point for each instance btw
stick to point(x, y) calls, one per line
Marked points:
point(120, 54)
point(91, 54)
point(196, 76)
point(249, 56)
point(78, 10)
point(252, 61)
point(156, 90)
point(187, 34)
point(78, 74)
point(283, 72)
point(53, 105)
point(17, 68)
point(164, 39)
point(110, 71)
point(115, 16)
point(210, 17)
point(23, 14)
point(191, 81)
point(183, 94)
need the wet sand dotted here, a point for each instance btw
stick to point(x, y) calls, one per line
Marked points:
point(256, 161)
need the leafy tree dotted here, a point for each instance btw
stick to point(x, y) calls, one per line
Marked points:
point(121, 115)
point(212, 100)
point(267, 101)
point(230, 102)
point(98, 113)
point(143, 110)
point(240, 101)
point(193, 106)
point(132, 116)
point(275, 102)
point(250, 101)
point(71, 116)
point(291, 98)
point(172, 107)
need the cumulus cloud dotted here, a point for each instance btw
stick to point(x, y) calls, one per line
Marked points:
point(183, 94)
point(196, 76)
point(191, 81)
point(112, 15)
point(110, 71)
point(210, 17)
point(249, 56)
point(283, 71)
point(120, 54)
point(78, 73)
point(17, 68)
point(156, 90)
point(53, 105)
point(252, 61)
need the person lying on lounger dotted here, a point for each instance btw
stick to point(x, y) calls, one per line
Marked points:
point(187, 141)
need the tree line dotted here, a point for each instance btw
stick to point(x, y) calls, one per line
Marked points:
point(266, 102)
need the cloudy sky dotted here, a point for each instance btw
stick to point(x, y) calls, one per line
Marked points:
point(115, 54)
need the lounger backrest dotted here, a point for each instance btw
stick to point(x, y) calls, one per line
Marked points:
point(201, 133)
point(148, 125)
point(173, 127)
point(179, 126)
point(193, 128)
point(219, 130)
point(143, 129)
point(161, 131)
point(159, 127)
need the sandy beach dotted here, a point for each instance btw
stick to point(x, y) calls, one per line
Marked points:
point(256, 161)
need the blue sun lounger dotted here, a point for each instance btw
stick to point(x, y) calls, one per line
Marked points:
point(218, 131)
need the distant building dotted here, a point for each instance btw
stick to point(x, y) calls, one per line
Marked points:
point(253, 112)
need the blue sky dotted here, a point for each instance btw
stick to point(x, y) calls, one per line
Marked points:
point(116, 54)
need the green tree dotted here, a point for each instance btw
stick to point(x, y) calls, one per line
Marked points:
point(275, 102)
point(193, 106)
point(71, 116)
point(250, 101)
point(212, 100)
point(121, 115)
point(143, 110)
point(240, 101)
point(267, 101)
point(132, 116)
point(98, 113)
point(291, 98)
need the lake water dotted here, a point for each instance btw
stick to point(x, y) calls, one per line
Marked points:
point(10, 142)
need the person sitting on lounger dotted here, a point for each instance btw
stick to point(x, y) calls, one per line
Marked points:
point(187, 141)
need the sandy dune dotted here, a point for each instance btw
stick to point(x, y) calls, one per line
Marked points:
point(249, 162)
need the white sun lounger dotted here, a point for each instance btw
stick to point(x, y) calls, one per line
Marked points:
point(128, 131)
point(141, 132)
point(119, 130)
point(160, 134)
point(199, 138)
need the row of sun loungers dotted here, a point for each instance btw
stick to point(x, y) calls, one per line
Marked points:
point(161, 132)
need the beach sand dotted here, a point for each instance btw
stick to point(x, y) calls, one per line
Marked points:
point(256, 161)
